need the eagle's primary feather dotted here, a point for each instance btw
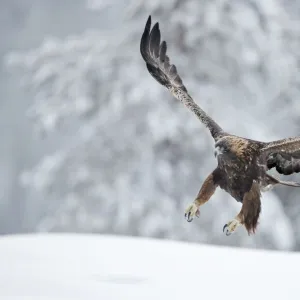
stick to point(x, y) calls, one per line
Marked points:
point(242, 163)
point(154, 53)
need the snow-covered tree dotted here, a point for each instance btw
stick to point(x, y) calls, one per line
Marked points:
point(133, 157)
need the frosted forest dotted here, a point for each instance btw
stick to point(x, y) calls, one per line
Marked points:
point(91, 143)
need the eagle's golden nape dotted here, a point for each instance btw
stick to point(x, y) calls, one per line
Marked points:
point(242, 163)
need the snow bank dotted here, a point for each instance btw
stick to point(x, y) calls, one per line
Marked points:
point(64, 266)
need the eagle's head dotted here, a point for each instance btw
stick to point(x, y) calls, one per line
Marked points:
point(231, 147)
point(221, 147)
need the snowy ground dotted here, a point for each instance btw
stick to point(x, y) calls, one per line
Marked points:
point(64, 266)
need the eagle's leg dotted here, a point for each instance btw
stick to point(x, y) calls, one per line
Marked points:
point(208, 188)
point(249, 214)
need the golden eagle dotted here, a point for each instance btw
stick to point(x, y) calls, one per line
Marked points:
point(242, 163)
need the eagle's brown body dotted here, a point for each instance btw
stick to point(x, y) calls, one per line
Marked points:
point(242, 164)
point(237, 168)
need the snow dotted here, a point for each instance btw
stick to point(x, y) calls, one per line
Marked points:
point(116, 142)
point(82, 266)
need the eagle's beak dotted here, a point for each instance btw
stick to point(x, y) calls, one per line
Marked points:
point(217, 151)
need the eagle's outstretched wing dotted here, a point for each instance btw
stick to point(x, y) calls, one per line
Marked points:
point(283, 154)
point(158, 64)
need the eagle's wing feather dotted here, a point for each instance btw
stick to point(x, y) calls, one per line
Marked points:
point(274, 180)
point(283, 154)
point(154, 53)
point(289, 145)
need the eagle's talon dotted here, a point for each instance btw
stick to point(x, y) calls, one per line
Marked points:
point(226, 230)
point(230, 227)
point(191, 211)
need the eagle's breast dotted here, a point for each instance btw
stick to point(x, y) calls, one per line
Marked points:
point(237, 164)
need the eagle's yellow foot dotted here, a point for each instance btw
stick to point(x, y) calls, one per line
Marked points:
point(231, 226)
point(192, 211)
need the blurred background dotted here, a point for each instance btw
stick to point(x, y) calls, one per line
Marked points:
point(91, 143)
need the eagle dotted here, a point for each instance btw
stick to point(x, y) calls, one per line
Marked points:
point(242, 163)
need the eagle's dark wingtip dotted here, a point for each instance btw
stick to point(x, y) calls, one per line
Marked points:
point(156, 26)
point(145, 38)
point(148, 24)
point(150, 40)
point(155, 30)
point(155, 39)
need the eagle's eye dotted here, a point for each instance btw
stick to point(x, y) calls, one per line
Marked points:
point(220, 149)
